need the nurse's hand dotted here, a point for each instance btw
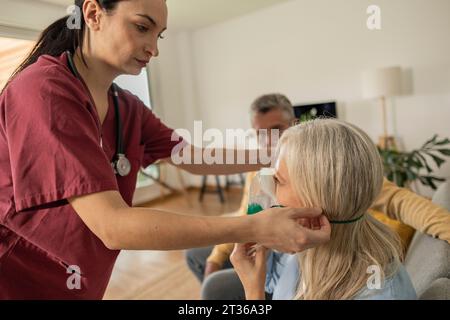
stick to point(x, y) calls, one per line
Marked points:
point(249, 262)
point(280, 229)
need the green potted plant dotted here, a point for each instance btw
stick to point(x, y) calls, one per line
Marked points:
point(403, 168)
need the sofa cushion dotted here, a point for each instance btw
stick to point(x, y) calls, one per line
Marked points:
point(428, 259)
point(404, 231)
point(439, 290)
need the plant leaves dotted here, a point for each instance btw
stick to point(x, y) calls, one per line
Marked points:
point(437, 160)
point(411, 175)
point(424, 161)
point(431, 183)
point(405, 167)
point(432, 140)
point(413, 161)
point(445, 152)
point(442, 142)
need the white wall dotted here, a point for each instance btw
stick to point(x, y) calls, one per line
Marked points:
point(29, 14)
point(314, 50)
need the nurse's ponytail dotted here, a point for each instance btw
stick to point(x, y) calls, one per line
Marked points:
point(58, 38)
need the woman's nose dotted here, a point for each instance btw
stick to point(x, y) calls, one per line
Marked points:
point(152, 50)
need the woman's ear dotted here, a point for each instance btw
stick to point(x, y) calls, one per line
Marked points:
point(92, 13)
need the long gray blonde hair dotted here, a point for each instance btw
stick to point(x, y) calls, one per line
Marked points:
point(335, 166)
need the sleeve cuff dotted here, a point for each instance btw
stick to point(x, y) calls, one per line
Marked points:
point(64, 193)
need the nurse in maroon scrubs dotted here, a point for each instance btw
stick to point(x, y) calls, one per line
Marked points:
point(68, 166)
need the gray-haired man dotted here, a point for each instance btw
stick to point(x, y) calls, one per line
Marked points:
point(211, 265)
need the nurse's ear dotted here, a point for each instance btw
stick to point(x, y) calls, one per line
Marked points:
point(92, 13)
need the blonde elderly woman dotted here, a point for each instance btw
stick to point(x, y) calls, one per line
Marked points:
point(332, 165)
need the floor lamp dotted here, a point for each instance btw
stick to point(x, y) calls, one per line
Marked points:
point(382, 84)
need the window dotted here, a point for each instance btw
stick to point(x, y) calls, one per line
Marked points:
point(12, 53)
point(139, 85)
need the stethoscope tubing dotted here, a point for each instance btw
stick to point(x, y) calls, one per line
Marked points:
point(120, 163)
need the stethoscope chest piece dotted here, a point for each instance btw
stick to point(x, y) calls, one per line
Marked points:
point(122, 165)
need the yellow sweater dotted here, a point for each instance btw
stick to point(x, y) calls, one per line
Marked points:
point(400, 208)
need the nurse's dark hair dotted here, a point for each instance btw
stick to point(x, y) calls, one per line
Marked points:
point(58, 37)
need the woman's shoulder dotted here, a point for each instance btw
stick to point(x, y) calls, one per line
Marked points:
point(283, 274)
point(396, 287)
point(46, 73)
point(45, 88)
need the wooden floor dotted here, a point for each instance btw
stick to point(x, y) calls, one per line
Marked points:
point(156, 275)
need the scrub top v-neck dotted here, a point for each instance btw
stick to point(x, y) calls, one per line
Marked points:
point(50, 150)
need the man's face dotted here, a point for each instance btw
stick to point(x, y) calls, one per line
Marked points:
point(274, 122)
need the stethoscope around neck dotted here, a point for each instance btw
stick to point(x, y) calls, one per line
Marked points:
point(120, 164)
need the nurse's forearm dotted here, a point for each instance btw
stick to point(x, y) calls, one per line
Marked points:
point(120, 227)
point(150, 229)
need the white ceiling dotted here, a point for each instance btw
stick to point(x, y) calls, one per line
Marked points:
point(193, 14)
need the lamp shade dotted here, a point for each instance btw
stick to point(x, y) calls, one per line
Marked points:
point(383, 82)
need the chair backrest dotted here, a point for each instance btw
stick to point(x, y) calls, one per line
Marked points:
point(428, 259)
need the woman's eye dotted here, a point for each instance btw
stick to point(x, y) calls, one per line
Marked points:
point(141, 28)
point(161, 36)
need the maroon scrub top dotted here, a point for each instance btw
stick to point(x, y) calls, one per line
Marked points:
point(50, 150)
